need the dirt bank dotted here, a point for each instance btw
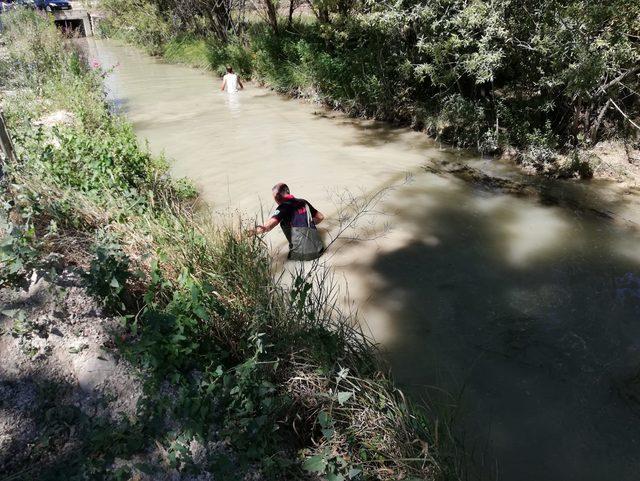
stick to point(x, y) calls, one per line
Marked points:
point(65, 389)
point(59, 370)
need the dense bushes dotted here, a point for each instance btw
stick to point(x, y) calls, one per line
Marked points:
point(210, 55)
point(484, 74)
point(274, 374)
point(350, 67)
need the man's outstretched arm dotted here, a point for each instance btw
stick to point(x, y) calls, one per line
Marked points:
point(266, 227)
point(318, 217)
point(224, 84)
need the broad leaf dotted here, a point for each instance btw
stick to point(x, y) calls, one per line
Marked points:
point(315, 464)
point(353, 472)
point(325, 420)
point(344, 396)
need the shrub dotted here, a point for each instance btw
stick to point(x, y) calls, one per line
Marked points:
point(210, 54)
point(108, 274)
point(138, 22)
point(187, 49)
point(461, 121)
point(577, 164)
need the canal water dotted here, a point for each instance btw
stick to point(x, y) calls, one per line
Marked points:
point(518, 298)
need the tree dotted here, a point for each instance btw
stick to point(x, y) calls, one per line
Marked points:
point(272, 13)
point(293, 4)
point(204, 16)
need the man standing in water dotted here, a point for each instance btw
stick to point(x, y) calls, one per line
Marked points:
point(231, 81)
point(298, 220)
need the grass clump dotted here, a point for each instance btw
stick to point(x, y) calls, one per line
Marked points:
point(227, 354)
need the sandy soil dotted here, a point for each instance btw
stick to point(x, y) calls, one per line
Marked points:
point(60, 368)
point(56, 345)
point(617, 161)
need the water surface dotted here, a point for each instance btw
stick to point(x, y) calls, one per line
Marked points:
point(526, 308)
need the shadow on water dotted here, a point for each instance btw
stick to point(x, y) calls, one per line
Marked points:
point(118, 105)
point(372, 133)
point(365, 133)
point(532, 315)
point(602, 198)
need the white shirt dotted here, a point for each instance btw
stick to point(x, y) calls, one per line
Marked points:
point(231, 80)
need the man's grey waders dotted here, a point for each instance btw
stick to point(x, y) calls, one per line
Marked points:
point(306, 244)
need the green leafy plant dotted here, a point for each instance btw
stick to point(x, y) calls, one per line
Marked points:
point(18, 254)
point(108, 274)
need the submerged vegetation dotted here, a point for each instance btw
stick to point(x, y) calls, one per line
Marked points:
point(226, 354)
point(541, 76)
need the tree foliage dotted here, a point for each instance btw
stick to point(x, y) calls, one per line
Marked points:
point(484, 73)
point(563, 63)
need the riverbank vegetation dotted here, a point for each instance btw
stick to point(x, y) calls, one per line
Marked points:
point(271, 382)
point(531, 79)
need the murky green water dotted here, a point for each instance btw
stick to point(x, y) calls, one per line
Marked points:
point(525, 308)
